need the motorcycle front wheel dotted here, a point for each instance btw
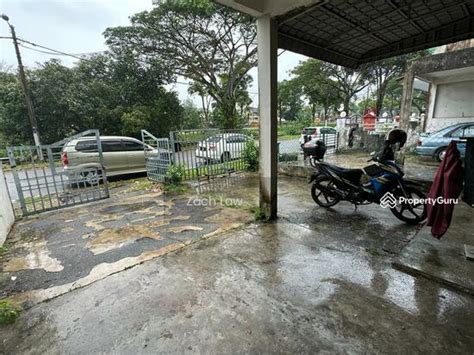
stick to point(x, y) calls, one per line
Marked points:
point(412, 211)
point(321, 192)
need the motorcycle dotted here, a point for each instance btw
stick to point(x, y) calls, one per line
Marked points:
point(386, 185)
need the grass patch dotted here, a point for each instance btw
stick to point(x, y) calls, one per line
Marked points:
point(26, 165)
point(3, 250)
point(8, 312)
point(141, 185)
point(288, 137)
point(259, 214)
point(176, 189)
point(214, 169)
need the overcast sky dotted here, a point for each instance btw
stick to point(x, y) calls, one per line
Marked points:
point(76, 26)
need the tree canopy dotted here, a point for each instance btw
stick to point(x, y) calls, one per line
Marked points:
point(209, 44)
point(115, 96)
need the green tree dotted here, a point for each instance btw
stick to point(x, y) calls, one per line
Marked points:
point(290, 101)
point(192, 117)
point(346, 82)
point(382, 72)
point(316, 85)
point(205, 42)
point(116, 96)
point(15, 127)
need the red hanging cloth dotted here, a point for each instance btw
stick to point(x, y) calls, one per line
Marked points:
point(447, 184)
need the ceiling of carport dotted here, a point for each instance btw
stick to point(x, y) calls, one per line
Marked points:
point(353, 32)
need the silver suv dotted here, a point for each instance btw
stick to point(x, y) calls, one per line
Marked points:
point(122, 155)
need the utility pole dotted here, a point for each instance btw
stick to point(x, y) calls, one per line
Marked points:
point(24, 85)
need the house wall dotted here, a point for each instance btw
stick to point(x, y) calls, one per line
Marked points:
point(7, 218)
point(450, 103)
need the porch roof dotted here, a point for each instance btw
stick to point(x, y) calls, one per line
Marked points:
point(353, 32)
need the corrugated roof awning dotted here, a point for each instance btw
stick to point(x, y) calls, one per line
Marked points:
point(353, 32)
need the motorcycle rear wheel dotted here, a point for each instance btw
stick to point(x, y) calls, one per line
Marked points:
point(320, 192)
point(410, 213)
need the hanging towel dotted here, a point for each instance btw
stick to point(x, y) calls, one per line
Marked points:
point(447, 184)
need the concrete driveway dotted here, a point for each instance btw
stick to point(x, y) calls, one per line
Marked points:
point(314, 281)
point(56, 252)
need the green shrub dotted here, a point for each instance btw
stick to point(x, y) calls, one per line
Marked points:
point(250, 156)
point(259, 214)
point(8, 313)
point(290, 129)
point(251, 132)
point(175, 174)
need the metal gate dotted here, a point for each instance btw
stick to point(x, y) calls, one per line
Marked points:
point(62, 174)
point(203, 153)
point(331, 141)
point(158, 156)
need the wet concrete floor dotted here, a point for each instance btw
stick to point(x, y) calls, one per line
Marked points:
point(55, 252)
point(278, 288)
point(314, 281)
point(419, 168)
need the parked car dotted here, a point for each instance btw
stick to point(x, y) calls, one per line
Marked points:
point(222, 147)
point(121, 155)
point(314, 133)
point(436, 143)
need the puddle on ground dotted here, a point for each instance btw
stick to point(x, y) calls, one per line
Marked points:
point(37, 258)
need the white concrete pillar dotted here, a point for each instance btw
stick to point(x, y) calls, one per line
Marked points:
point(7, 217)
point(407, 97)
point(267, 94)
point(405, 110)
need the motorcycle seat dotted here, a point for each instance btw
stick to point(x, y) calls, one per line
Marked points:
point(353, 175)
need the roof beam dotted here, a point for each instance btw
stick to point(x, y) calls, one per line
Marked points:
point(297, 14)
point(292, 43)
point(405, 15)
point(427, 39)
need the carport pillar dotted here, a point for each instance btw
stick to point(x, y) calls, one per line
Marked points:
point(407, 97)
point(267, 98)
point(405, 109)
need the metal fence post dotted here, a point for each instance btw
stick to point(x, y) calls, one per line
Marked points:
point(21, 197)
point(173, 148)
point(102, 164)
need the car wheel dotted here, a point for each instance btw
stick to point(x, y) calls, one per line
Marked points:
point(225, 157)
point(91, 177)
point(440, 154)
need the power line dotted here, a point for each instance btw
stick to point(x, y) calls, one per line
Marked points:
point(39, 50)
point(51, 51)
